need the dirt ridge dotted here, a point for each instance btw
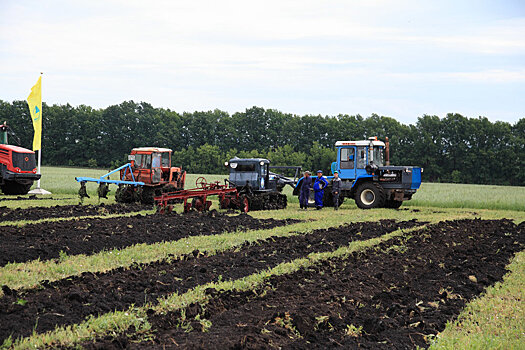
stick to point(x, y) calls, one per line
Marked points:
point(88, 236)
point(66, 211)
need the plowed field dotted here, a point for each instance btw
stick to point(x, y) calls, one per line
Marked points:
point(395, 296)
point(71, 300)
point(65, 211)
point(87, 236)
point(308, 280)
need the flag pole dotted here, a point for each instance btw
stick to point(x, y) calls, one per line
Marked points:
point(38, 172)
point(38, 189)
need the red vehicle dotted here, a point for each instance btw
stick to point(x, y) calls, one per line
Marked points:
point(151, 165)
point(17, 169)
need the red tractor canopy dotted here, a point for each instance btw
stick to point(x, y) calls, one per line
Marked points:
point(17, 169)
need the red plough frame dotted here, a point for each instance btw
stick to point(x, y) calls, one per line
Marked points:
point(228, 197)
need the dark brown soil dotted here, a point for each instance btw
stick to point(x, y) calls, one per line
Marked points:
point(33, 197)
point(394, 297)
point(87, 236)
point(64, 211)
point(71, 300)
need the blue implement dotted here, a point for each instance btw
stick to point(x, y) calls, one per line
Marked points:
point(103, 179)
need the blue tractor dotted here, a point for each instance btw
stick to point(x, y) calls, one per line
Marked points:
point(368, 178)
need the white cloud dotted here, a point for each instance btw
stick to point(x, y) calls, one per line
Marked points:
point(493, 76)
point(191, 55)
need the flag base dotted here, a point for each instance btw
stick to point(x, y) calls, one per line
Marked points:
point(39, 190)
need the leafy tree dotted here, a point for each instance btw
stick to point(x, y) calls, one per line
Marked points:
point(454, 148)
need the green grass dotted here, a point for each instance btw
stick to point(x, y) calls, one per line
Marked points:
point(61, 180)
point(469, 196)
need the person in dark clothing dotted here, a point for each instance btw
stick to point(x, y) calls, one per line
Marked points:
point(304, 193)
point(319, 185)
point(336, 189)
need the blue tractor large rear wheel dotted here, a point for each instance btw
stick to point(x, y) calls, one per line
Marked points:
point(370, 195)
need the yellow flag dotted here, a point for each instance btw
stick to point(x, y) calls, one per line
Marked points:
point(34, 100)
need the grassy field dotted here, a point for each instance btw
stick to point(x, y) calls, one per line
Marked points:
point(61, 182)
point(494, 320)
point(469, 196)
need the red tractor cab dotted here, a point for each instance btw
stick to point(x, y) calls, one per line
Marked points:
point(17, 166)
point(152, 165)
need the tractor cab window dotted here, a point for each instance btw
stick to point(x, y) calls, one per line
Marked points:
point(156, 160)
point(361, 157)
point(347, 157)
point(166, 160)
point(264, 170)
point(244, 167)
point(378, 156)
point(137, 161)
point(142, 161)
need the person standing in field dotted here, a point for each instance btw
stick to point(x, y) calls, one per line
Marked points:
point(304, 193)
point(319, 185)
point(336, 189)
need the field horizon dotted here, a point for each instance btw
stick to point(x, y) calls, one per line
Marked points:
point(61, 181)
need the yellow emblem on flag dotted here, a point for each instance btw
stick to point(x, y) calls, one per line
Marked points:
point(34, 100)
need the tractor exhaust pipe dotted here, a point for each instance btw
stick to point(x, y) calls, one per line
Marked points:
point(387, 152)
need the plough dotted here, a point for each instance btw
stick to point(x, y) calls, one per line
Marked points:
point(228, 197)
point(104, 181)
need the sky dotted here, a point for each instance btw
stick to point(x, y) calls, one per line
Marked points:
point(401, 59)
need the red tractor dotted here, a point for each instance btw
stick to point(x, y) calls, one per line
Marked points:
point(17, 166)
point(152, 166)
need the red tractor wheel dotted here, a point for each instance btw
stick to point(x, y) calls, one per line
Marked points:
point(201, 182)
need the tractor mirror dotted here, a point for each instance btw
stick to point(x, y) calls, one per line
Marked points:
point(351, 157)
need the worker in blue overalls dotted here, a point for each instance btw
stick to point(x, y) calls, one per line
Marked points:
point(319, 185)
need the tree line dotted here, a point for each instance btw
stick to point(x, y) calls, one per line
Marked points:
point(450, 149)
